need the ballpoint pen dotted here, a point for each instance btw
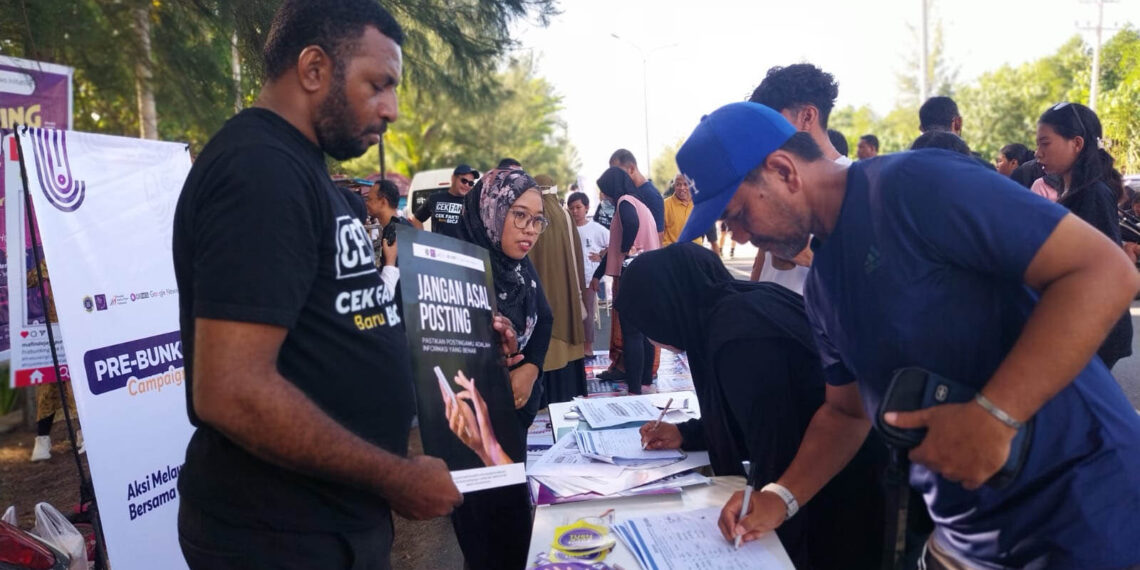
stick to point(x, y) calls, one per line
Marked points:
point(747, 496)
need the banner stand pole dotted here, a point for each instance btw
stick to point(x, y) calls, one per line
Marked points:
point(86, 491)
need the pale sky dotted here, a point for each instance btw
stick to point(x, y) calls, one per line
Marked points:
point(724, 47)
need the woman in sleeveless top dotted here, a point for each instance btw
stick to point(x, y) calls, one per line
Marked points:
point(632, 231)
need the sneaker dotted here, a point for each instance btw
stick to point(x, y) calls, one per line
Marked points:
point(610, 375)
point(649, 389)
point(42, 449)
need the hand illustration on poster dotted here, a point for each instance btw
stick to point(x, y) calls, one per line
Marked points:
point(464, 397)
point(474, 430)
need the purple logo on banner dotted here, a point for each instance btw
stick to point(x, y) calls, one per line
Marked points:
point(54, 170)
point(140, 365)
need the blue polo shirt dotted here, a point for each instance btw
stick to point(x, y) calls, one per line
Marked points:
point(925, 267)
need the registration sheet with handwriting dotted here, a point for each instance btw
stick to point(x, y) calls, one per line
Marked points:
point(691, 540)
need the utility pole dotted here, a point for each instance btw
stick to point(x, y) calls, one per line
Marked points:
point(924, 69)
point(644, 92)
point(1094, 83)
point(235, 70)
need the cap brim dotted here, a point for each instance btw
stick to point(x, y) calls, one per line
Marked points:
point(705, 214)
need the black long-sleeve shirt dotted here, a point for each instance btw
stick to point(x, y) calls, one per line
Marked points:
point(1097, 206)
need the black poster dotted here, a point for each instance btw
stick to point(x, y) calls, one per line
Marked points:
point(463, 392)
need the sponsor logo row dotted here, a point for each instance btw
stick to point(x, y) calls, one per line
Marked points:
point(103, 302)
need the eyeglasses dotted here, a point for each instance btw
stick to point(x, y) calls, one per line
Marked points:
point(466, 182)
point(1084, 132)
point(523, 220)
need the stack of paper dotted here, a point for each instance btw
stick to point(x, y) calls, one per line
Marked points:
point(603, 413)
point(565, 473)
point(681, 541)
point(623, 447)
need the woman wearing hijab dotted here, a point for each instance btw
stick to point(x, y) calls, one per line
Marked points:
point(504, 215)
point(632, 232)
point(759, 382)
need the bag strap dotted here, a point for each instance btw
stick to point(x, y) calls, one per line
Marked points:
point(898, 498)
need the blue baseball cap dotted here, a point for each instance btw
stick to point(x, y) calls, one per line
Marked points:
point(728, 143)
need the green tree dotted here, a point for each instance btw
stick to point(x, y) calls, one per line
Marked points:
point(854, 123)
point(520, 120)
point(941, 73)
point(665, 165)
point(1002, 106)
point(452, 46)
point(1119, 104)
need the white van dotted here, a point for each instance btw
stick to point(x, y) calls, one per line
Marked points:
point(422, 185)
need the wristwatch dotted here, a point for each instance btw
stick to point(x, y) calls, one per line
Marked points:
point(789, 499)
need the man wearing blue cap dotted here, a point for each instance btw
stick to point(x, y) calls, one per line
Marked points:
point(917, 264)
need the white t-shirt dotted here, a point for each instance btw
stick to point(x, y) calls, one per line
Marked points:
point(595, 239)
point(790, 278)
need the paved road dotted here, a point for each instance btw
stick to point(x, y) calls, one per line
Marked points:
point(1127, 371)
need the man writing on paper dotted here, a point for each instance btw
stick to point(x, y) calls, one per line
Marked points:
point(917, 265)
point(299, 376)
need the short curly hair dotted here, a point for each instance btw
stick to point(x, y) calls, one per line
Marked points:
point(797, 85)
point(334, 25)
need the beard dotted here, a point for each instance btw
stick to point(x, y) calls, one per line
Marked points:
point(784, 248)
point(789, 240)
point(336, 129)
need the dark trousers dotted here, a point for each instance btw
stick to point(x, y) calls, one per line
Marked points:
point(493, 526)
point(638, 357)
point(208, 543)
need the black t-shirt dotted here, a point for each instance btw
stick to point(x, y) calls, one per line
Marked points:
point(444, 209)
point(261, 235)
point(1097, 206)
point(356, 202)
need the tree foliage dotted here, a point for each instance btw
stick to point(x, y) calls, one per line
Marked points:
point(941, 73)
point(452, 46)
point(1002, 106)
point(518, 119)
point(665, 166)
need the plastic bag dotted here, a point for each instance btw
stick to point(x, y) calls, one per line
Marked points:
point(54, 528)
point(10, 515)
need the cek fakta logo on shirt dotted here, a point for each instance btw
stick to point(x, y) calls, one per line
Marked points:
point(53, 169)
point(353, 249)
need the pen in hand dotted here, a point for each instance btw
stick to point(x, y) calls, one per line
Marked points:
point(747, 497)
point(656, 423)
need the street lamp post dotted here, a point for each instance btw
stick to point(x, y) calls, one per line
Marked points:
point(644, 92)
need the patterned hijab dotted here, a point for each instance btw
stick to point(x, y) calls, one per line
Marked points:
point(484, 214)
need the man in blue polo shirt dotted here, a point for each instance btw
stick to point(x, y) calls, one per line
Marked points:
point(926, 259)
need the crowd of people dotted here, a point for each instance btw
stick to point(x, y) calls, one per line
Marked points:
point(932, 260)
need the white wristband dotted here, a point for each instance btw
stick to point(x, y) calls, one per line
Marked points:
point(789, 499)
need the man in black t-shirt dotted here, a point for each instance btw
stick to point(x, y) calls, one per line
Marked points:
point(299, 379)
point(444, 206)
